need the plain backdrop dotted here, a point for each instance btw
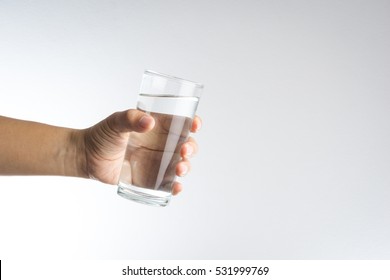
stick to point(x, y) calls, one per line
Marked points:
point(294, 159)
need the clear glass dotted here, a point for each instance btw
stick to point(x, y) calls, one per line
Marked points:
point(148, 169)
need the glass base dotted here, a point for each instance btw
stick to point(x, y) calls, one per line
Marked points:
point(145, 196)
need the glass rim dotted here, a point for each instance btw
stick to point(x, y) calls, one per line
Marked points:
point(171, 77)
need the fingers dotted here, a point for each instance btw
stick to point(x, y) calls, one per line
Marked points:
point(177, 188)
point(189, 149)
point(196, 124)
point(182, 168)
point(130, 120)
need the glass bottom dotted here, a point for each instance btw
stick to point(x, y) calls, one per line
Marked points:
point(145, 196)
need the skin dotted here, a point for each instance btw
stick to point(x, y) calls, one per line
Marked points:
point(31, 148)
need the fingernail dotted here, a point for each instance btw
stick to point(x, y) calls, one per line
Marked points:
point(145, 121)
point(199, 127)
point(189, 150)
point(184, 170)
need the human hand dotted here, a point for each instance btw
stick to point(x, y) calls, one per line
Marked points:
point(106, 142)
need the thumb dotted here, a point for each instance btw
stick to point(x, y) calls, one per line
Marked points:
point(131, 120)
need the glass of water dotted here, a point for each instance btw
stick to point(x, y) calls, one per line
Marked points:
point(149, 166)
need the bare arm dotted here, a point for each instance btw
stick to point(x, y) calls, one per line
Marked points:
point(30, 148)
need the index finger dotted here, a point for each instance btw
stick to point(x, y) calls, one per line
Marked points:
point(196, 124)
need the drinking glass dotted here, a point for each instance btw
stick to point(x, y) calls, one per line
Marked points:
point(149, 166)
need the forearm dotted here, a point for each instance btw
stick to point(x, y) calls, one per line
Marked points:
point(30, 148)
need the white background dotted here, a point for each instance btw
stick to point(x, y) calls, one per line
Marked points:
point(294, 154)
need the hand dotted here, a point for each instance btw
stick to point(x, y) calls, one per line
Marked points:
point(106, 142)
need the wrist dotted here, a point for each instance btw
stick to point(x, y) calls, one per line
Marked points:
point(75, 160)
